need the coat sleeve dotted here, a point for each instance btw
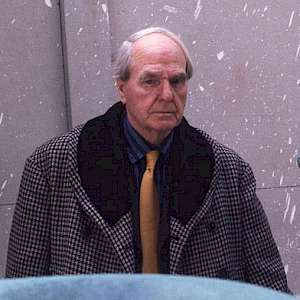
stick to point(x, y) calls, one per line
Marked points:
point(29, 242)
point(263, 264)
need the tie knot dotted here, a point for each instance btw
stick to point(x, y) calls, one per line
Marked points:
point(151, 158)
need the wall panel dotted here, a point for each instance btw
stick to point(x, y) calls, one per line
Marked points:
point(32, 95)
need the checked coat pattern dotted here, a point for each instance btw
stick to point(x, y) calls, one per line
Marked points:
point(59, 229)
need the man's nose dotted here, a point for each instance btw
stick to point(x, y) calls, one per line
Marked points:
point(166, 90)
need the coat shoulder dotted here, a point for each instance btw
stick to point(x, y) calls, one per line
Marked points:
point(226, 159)
point(57, 148)
point(221, 152)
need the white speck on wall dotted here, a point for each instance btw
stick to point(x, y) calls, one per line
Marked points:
point(170, 9)
point(266, 8)
point(1, 118)
point(198, 9)
point(3, 184)
point(11, 175)
point(48, 3)
point(166, 19)
point(13, 21)
point(273, 174)
point(233, 100)
point(297, 53)
point(220, 55)
point(290, 141)
point(245, 7)
point(288, 201)
point(284, 98)
point(246, 63)
point(291, 19)
point(293, 214)
point(281, 180)
point(79, 31)
point(104, 8)
point(253, 132)
point(211, 83)
point(298, 81)
point(201, 88)
point(194, 42)
point(286, 269)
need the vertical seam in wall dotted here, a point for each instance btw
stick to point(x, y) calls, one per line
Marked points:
point(65, 64)
point(109, 31)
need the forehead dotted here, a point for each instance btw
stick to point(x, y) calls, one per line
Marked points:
point(157, 52)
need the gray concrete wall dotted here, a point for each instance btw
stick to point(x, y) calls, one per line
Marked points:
point(88, 58)
point(245, 91)
point(32, 95)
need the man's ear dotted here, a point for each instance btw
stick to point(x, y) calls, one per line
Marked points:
point(121, 87)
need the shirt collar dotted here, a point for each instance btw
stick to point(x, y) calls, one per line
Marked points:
point(138, 146)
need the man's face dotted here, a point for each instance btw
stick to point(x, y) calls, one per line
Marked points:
point(155, 94)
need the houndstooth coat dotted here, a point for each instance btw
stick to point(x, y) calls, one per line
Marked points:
point(56, 228)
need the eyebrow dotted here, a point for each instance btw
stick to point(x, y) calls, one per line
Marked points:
point(151, 74)
point(148, 74)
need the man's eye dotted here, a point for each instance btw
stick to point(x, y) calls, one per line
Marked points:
point(177, 81)
point(152, 82)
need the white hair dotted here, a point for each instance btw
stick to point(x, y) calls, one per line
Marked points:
point(123, 58)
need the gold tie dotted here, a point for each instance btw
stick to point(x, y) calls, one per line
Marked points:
point(149, 216)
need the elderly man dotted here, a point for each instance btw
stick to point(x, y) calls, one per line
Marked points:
point(139, 190)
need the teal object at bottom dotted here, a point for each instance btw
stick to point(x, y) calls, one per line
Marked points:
point(132, 287)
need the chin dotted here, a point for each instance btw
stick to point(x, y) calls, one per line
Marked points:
point(165, 126)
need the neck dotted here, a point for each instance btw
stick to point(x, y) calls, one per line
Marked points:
point(157, 139)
